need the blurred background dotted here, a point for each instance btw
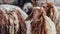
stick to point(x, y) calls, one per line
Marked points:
point(56, 2)
point(20, 3)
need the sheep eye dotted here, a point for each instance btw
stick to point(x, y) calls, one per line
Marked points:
point(43, 6)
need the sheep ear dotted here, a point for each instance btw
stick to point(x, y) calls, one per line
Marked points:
point(30, 16)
